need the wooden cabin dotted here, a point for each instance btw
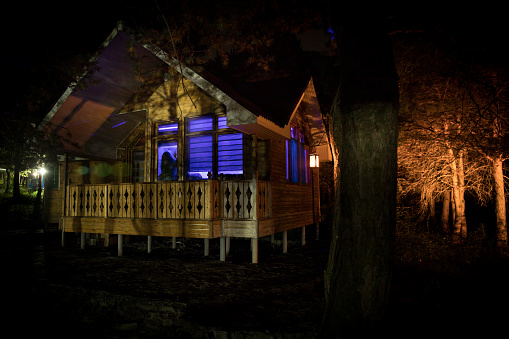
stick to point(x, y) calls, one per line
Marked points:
point(157, 149)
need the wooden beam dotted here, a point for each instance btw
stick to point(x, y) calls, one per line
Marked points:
point(120, 245)
point(285, 242)
point(254, 250)
point(206, 248)
point(222, 249)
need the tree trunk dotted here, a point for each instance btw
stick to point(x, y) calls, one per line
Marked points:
point(365, 116)
point(7, 180)
point(461, 188)
point(458, 191)
point(15, 184)
point(446, 204)
point(500, 211)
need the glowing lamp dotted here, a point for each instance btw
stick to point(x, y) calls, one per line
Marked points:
point(314, 161)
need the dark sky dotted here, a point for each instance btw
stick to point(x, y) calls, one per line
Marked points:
point(32, 27)
point(41, 28)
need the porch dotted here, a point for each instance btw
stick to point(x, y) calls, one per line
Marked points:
point(195, 209)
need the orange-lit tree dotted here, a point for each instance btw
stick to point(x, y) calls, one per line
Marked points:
point(453, 131)
point(488, 90)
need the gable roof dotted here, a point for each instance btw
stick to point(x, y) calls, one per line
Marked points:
point(263, 108)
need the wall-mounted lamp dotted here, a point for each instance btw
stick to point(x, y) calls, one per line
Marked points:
point(314, 160)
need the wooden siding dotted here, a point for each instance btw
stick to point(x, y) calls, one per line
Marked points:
point(145, 226)
point(293, 204)
point(52, 205)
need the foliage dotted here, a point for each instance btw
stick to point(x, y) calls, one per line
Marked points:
point(416, 246)
point(22, 213)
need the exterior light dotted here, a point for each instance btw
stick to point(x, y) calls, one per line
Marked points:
point(42, 171)
point(314, 161)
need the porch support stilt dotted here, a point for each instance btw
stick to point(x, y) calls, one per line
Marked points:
point(149, 244)
point(120, 244)
point(83, 235)
point(174, 242)
point(222, 249)
point(254, 250)
point(303, 235)
point(285, 242)
point(206, 243)
point(272, 239)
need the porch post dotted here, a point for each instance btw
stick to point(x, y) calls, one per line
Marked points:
point(174, 242)
point(83, 240)
point(222, 249)
point(303, 235)
point(120, 244)
point(149, 244)
point(285, 242)
point(206, 242)
point(254, 250)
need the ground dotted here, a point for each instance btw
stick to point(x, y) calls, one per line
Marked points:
point(179, 293)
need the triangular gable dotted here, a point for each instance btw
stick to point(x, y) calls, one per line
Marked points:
point(82, 112)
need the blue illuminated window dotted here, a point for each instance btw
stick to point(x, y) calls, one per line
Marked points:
point(229, 154)
point(200, 156)
point(168, 129)
point(221, 123)
point(297, 158)
point(211, 152)
point(201, 124)
point(167, 160)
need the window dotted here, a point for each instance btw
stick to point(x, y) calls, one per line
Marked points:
point(297, 162)
point(167, 160)
point(167, 151)
point(229, 153)
point(210, 147)
point(138, 164)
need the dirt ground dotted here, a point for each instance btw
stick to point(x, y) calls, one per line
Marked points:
point(178, 293)
point(168, 290)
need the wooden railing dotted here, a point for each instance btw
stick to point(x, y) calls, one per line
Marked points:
point(208, 199)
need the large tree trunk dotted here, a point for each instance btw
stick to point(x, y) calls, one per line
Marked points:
point(365, 115)
point(500, 211)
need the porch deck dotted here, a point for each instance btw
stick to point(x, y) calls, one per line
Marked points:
point(197, 209)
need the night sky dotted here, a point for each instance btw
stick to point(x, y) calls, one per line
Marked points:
point(40, 30)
